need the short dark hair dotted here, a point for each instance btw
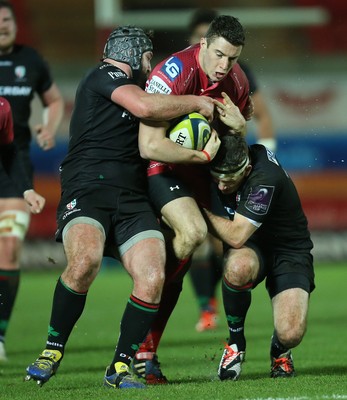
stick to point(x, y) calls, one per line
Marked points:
point(201, 16)
point(227, 27)
point(231, 153)
point(7, 4)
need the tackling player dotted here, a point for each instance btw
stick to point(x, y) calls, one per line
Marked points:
point(266, 237)
point(104, 208)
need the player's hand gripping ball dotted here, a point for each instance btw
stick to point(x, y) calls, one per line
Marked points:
point(192, 131)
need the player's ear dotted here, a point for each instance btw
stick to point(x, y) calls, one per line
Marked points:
point(248, 169)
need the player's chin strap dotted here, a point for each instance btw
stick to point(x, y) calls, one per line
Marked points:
point(230, 172)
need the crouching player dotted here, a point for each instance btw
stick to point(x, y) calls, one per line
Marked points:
point(266, 238)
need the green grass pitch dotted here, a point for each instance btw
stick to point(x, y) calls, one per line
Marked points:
point(189, 359)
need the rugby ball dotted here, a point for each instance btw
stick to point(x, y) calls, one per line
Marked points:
point(192, 131)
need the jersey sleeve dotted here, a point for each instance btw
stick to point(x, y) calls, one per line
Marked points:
point(105, 79)
point(167, 77)
point(255, 202)
point(45, 79)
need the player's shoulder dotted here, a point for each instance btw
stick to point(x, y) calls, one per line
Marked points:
point(103, 79)
point(265, 161)
point(27, 51)
point(188, 52)
point(111, 71)
point(168, 75)
point(106, 72)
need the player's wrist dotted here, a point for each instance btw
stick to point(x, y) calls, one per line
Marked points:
point(206, 154)
point(26, 192)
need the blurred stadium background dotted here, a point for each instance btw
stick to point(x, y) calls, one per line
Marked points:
point(297, 50)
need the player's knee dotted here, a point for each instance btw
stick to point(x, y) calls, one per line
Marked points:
point(83, 269)
point(155, 280)
point(239, 270)
point(149, 282)
point(149, 290)
point(10, 252)
point(190, 238)
point(291, 335)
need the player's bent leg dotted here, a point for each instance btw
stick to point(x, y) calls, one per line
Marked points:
point(83, 244)
point(14, 223)
point(145, 262)
point(143, 256)
point(290, 309)
point(184, 217)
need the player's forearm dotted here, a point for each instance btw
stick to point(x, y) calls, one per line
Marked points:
point(161, 107)
point(53, 115)
point(167, 151)
point(225, 229)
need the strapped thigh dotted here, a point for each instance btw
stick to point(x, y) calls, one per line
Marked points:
point(14, 223)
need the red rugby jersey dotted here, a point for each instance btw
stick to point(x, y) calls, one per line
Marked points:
point(6, 122)
point(181, 74)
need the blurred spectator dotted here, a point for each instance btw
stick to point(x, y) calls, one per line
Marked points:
point(22, 73)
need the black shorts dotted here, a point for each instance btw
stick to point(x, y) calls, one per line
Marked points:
point(283, 270)
point(9, 179)
point(180, 181)
point(8, 188)
point(126, 217)
point(163, 188)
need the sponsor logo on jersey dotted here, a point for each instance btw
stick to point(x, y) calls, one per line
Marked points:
point(67, 213)
point(15, 90)
point(20, 72)
point(172, 68)
point(72, 204)
point(157, 85)
point(115, 75)
point(259, 200)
